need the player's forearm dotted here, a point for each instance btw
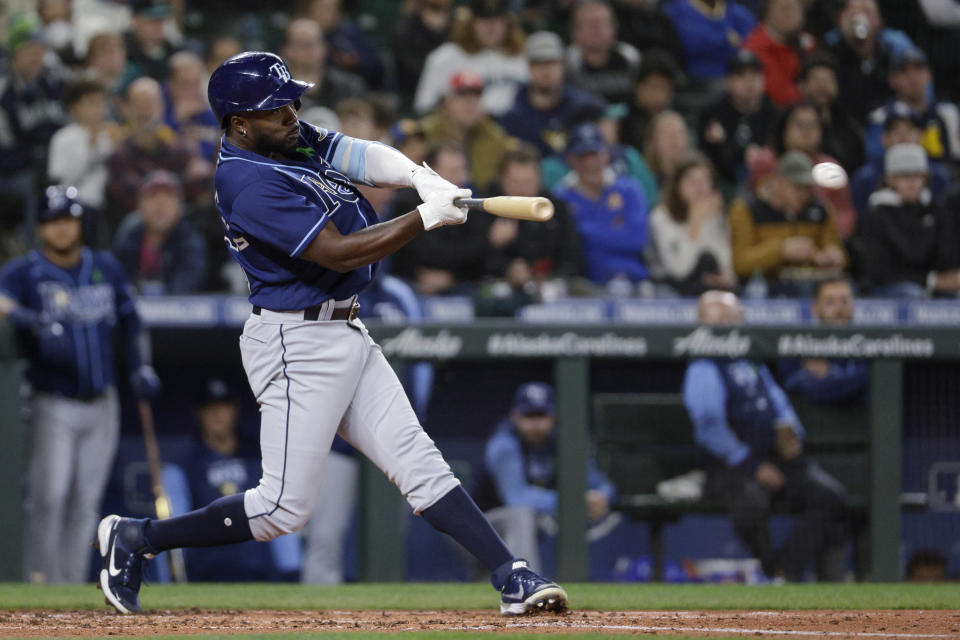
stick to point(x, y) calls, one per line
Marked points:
point(344, 253)
point(387, 167)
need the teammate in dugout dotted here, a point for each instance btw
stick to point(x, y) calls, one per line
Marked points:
point(309, 242)
point(68, 303)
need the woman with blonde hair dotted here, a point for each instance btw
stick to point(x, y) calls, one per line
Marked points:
point(488, 40)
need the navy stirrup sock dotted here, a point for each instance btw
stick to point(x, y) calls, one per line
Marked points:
point(223, 521)
point(457, 515)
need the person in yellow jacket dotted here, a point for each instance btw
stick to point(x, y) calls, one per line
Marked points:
point(460, 118)
point(784, 232)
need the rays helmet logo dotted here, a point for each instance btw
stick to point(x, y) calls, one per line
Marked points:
point(280, 70)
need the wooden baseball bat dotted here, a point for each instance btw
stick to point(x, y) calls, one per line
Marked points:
point(161, 501)
point(538, 209)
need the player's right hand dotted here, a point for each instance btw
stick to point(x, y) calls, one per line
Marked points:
point(438, 209)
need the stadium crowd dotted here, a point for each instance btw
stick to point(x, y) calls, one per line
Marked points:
point(676, 137)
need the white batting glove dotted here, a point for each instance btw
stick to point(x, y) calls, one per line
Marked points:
point(438, 209)
point(428, 182)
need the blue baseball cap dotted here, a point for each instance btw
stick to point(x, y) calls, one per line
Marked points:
point(59, 201)
point(534, 397)
point(910, 56)
point(586, 137)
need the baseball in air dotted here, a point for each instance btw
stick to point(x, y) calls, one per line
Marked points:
point(830, 175)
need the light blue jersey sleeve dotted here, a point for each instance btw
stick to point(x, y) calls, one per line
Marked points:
point(504, 462)
point(705, 398)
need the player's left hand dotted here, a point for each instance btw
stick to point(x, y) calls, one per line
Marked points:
point(145, 382)
point(428, 182)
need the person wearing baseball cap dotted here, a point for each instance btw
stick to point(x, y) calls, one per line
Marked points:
point(910, 240)
point(912, 82)
point(161, 251)
point(486, 39)
point(222, 462)
point(786, 233)
point(460, 118)
point(31, 106)
point(546, 106)
point(898, 128)
point(148, 48)
point(73, 312)
point(610, 210)
point(739, 121)
point(519, 485)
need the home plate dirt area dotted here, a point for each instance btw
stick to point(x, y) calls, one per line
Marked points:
point(772, 624)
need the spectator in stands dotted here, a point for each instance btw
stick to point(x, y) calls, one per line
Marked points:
point(58, 30)
point(785, 232)
point(305, 52)
point(486, 40)
point(710, 32)
point(842, 135)
point(596, 61)
point(864, 50)
point(643, 24)
point(161, 251)
point(821, 381)
point(781, 44)
point(187, 110)
point(653, 91)
point(519, 484)
point(148, 47)
point(610, 210)
point(221, 464)
point(526, 253)
point(419, 32)
point(357, 119)
point(754, 441)
point(147, 145)
point(407, 135)
point(221, 48)
point(736, 126)
point(460, 119)
point(449, 259)
point(689, 234)
point(912, 84)
point(798, 128)
point(349, 47)
point(897, 129)
point(910, 241)
point(79, 151)
point(667, 143)
point(106, 62)
point(547, 107)
point(31, 109)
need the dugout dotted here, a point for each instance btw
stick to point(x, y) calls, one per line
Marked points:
point(604, 372)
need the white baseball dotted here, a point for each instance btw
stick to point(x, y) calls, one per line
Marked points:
point(830, 175)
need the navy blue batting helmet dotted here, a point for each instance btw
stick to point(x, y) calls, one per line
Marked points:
point(252, 81)
point(59, 202)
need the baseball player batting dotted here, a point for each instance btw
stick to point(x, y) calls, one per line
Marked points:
point(309, 242)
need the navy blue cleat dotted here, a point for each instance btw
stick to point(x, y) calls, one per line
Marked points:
point(524, 592)
point(123, 550)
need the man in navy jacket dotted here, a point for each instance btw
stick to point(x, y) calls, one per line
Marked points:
point(752, 435)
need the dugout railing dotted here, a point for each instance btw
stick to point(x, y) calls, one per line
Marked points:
point(570, 348)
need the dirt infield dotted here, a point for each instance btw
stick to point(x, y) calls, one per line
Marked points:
point(773, 624)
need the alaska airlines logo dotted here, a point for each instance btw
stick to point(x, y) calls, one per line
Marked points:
point(412, 343)
point(703, 342)
point(280, 70)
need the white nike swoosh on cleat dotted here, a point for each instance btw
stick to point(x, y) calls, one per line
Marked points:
point(515, 596)
point(112, 567)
